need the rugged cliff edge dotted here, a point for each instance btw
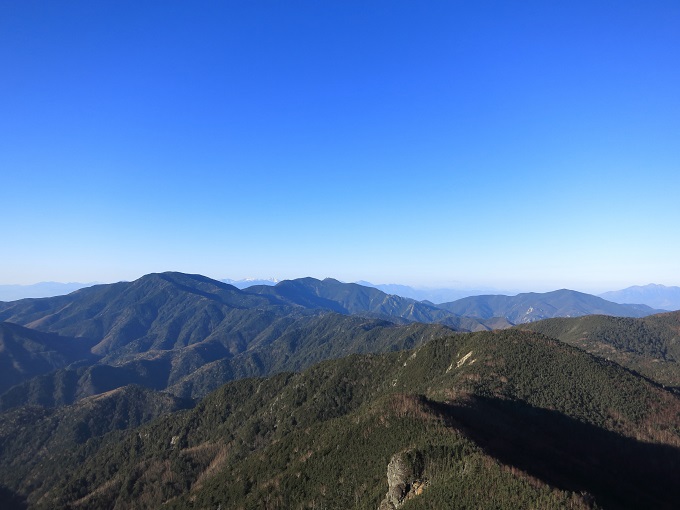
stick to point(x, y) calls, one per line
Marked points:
point(404, 479)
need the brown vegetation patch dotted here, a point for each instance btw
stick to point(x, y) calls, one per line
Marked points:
point(411, 406)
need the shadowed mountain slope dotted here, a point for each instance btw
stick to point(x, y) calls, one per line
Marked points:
point(306, 342)
point(26, 353)
point(509, 419)
point(194, 371)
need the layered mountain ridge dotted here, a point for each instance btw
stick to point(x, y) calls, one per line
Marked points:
point(189, 333)
point(158, 331)
point(337, 395)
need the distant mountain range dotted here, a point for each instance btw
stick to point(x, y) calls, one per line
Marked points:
point(188, 333)
point(532, 306)
point(657, 296)
point(38, 290)
point(436, 295)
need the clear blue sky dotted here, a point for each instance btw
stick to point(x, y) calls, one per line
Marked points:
point(515, 144)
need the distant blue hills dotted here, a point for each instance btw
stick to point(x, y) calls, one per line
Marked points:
point(653, 295)
point(435, 295)
point(39, 290)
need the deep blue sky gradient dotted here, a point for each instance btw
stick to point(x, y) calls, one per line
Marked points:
point(528, 145)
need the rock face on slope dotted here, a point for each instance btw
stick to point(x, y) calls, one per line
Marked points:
point(404, 479)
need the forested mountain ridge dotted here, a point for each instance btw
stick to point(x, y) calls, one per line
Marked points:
point(509, 419)
point(36, 438)
point(200, 368)
point(159, 310)
point(167, 310)
point(649, 345)
point(306, 342)
point(187, 333)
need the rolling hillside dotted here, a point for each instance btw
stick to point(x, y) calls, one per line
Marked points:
point(508, 419)
point(650, 346)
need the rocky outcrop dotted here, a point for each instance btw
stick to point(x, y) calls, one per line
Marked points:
point(404, 479)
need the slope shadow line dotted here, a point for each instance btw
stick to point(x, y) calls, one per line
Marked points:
point(618, 471)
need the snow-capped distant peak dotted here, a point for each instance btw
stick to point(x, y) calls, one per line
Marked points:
point(249, 282)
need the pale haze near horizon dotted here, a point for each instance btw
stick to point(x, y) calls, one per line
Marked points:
point(506, 145)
